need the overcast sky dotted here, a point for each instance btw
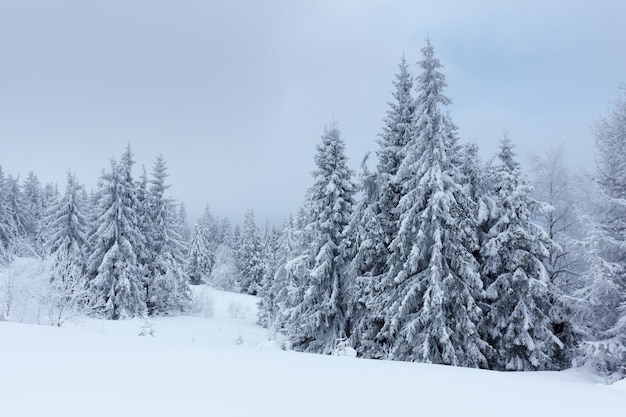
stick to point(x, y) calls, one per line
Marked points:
point(235, 94)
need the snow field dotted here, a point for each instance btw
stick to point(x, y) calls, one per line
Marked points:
point(224, 365)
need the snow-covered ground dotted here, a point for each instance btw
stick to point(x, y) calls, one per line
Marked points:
point(220, 363)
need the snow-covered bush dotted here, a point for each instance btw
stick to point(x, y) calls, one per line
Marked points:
point(29, 295)
point(224, 273)
point(20, 287)
point(236, 310)
point(202, 302)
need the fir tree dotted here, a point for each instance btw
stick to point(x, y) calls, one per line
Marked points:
point(603, 314)
point(318, 321)
point(33, 194)
point(393, 141)
point(514, 256)
point(433, 283)
point(167, 289)
point(21, 219)
point(201, 250)
point(67, 243)
point(181, 220)
point(375, 222)
point(6, 230)
point(267, 304)
point(116, 275)
point(250, 256)
point(291, 274)
point(365, 246)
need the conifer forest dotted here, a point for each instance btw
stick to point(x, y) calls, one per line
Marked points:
point(428, 253)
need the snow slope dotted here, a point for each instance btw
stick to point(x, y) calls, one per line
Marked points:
point(224, 366)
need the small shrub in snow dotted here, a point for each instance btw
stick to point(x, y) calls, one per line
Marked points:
point(239, 339)
point(236, 310)
point(20, 287)
point(147, 329)
point(344, 349)
point(202, 304)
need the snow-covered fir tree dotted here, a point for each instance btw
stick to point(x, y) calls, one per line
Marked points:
point(375, 222)
point(66, 291)
point(250, 256)
point(514, 254)
point(603, 315)
point(33, 194)
point(553, 184)
point(181, 220)
point(433, 285)
point(67, 243)
point(365, 246)
point(21, 219)
point(318, 320)
point(267, 304)
point(201, 250)
point(393, 141)
point(225, 273)
point(6, 229)
point(291, 273)
point(116, 275)
point(167, 289)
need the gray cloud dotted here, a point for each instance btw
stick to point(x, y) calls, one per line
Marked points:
point(235, 94)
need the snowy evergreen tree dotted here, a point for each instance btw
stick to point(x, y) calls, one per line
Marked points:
point(21, 219)
point(201, 250)
point(183, 228)
point(267, 304)
point(554, 185)
point(318, 321)
point(433, 284)
point(514, 257)
point(6, 225)
point(291, 274)
point(604, 312)
point(167, 289)
point(67, 243)
point(250, 256)
point(225, 273)
point(365, 245)
point(116, 275)
point(33, 194)
point(224, 232)
point(375, 221)
point(393, 141)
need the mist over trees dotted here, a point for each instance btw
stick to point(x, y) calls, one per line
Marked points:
point(433, 255)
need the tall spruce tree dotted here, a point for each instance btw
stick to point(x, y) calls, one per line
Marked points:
point(67, 243)
point(365, 245)
point(318, 321)
point(116, 275)
point(167, 289)
point(267, 303)
point(291, 274)
point(393, 141)
point(201, 250)
point(514, 256)
point(7, 232)
point(603, 315)
point(433, 282)
point(250, 256)
point(375, 222)
point(21, 219)
point(33, 194)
